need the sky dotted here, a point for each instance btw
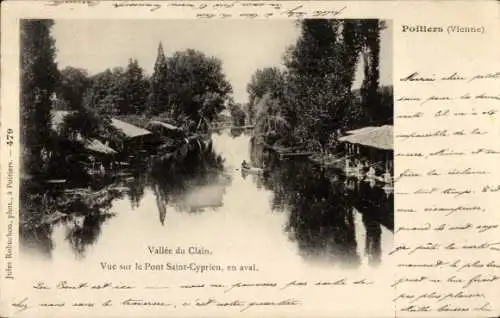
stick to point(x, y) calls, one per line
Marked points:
point(242, 45)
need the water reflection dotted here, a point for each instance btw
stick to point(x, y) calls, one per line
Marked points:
point(193, 183)
point(321, 208)
point(320, 214)
point(79, 212)
point(327, 217)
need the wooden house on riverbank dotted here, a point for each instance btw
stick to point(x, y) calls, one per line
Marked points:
point(166, 129)
point(135, 137)
point(170, 136)
point(91, 145)
point(72, 151)
point(372, 145)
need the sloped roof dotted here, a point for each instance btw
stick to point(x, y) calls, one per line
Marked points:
point(377, 137)
point(97, 146)
point(164, 125)
point(361, 130)
point(129, 130)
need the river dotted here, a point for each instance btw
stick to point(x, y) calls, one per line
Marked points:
point(298, 216)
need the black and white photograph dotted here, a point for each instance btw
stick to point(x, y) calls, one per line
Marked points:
point(263, 145)
point(249, 159)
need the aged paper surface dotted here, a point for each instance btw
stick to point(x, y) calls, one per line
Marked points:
point(294, 236)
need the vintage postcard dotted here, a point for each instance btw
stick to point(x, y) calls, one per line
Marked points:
point(250, 158)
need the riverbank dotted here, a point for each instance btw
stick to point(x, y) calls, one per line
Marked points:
point(366, 153)
point(317, 214)
point(46, 201)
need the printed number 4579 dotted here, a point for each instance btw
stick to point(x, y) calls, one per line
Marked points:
point(10, 137)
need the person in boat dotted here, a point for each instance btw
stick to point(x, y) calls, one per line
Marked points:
point(245, 165)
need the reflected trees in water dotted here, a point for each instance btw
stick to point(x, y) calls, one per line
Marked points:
point(170, 177)
point(320, 215)
point(83, 232)
point(321, 205)
point(81, 208)
point(136, 186)
point(80, 212)
point(330, 218)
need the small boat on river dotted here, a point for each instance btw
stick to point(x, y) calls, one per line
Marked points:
point(252, 170)
point(246, 168)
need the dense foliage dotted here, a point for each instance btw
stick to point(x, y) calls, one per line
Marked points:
point(269, 81)
point(307, 103)
point(238, 115)
point(187, 89)
point(136, 87)
point(39, 77)
point(157, 99)
point(119, 91)
point(71, 88)
point(195, 86)
point(311, 101)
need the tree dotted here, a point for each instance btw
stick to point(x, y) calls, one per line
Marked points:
point(195, 85)
point(106, 93)
point(119, 91)
point(157, 99)
point(351, 46)
point(39, 76)
point(72, 86)
point(135, 89)
point(271, 125)
point(85, 122)
point(269, 81)
point(237, 114)
point(316, 91)
point(370, 30)
point(320, 73)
